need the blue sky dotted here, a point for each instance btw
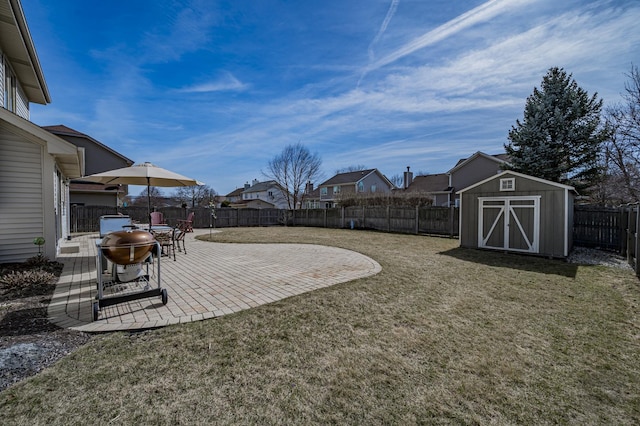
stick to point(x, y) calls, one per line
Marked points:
point(215, 89)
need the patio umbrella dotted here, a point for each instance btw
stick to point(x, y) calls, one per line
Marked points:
point(142, 174)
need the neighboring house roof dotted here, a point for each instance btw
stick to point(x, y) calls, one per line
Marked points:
point(62, 130)
point(498, 158)
point(17, 45)
point(315, 194)
point(235, 193)
point(262, 186)
point(522, 175)
point(430, 183)
point(353, 178)
point(347, 178)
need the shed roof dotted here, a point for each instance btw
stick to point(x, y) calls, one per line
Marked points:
point(522, 175)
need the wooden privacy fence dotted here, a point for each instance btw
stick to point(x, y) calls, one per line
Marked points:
point(407, 220)
point(601, 227)
point(414, 220)
point(632, 241)
point(87, 218)
point(614, 229)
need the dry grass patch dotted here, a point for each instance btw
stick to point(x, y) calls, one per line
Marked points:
point(441, 335)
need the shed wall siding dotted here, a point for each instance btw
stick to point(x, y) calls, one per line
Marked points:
point(552, 213)
point(21, 197)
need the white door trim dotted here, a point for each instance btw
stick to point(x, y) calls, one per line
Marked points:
point(508, 213)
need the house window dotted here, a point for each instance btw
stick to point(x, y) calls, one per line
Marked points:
point(336, 189)
point(323, 190)
point(373, 188)
point(508, 184)
point(270, 194)
point(10, 90)
point(360, 186)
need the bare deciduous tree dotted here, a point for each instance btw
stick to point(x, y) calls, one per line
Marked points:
point(622, 151)
point(194, 195)
point(292, 169)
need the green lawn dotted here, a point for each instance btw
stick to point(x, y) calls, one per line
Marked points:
point(442, 335)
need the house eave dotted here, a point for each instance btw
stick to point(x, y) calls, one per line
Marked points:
point(68, 157)
point(17, 45)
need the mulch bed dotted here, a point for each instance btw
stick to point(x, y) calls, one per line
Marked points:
point(28, 341)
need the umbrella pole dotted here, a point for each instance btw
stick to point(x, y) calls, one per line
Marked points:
point(149, 200)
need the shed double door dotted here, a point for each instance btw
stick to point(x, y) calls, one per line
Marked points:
point(509, 223)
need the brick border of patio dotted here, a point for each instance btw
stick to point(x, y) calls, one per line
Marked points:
point(211, 280)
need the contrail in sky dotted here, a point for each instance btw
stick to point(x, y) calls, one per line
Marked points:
point(482, 13)
point(392, 10)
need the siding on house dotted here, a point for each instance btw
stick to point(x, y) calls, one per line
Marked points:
point(2, 62)
point(22, 103)
point(21, 197)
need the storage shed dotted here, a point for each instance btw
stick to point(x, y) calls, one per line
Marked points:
point(515, 212)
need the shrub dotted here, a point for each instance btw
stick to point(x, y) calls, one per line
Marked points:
point(24, 280)
point(29, 277)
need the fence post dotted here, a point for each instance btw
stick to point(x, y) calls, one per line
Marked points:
point(388, 218)
point(637, 242)
point(451, 221)
point(324, 219)
point(621, 233)
point(628, 236)
point(363, 218)
point(342, 218)
point(417, 219)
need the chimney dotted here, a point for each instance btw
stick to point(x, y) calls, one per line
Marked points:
point(255, 182)
point(308, 188)
point(247, 186)
point(408, 178)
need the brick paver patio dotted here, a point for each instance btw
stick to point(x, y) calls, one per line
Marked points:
point(211, 280)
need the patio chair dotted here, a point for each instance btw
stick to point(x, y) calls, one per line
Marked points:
point(157, 218)
point(167, 243)
point(187, 223)
point(178, 237)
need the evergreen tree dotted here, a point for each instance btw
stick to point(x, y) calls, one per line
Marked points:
point(560, 136)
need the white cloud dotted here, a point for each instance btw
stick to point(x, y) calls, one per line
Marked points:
point(227, 82)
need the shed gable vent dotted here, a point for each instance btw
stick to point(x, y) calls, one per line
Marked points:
point(508, 184)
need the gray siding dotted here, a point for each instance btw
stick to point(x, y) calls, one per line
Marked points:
point(478, 169)
point(2, 61)
point(375, 179)
point(22, 103)
point(553, 227)
point(98, 159)
point(21, 197)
